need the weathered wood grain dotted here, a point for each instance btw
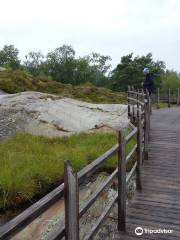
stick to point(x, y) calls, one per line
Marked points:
point(71, 196)
point(121, 182)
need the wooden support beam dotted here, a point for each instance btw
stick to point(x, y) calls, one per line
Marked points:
point(122, 182)
point(71, 196)
point(158, 99)
point(139, 156)
point(129, 107)
point(178, 97)
point(169, 98)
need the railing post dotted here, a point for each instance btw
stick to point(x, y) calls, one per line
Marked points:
point(133, 114)
point(178, 97)
point(169, 98)
point(129, 107)
point(121, 182)
point(133, 107)
point(146, 134)
point(71, 197)
point(158, 99)
point(139, 155)
point(148, 112)
point(137, 106)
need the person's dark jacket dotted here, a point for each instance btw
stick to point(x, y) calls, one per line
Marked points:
point(149, 83)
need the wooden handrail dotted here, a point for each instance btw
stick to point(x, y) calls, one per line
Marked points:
point(168, 96)
point(22, 220)
point(140, 123)
point(136, 100)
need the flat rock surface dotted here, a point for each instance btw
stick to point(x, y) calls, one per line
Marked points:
point(45, 114)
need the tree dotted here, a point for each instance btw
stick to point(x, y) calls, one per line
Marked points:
point(130, 71)
point(34, 62)
point(81, 71)
point(170, 79)
point(60, 64)
point(99, 61)
point(97, 67)
point(9, 57)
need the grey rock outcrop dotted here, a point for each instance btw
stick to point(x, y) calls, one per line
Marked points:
point(45, 114)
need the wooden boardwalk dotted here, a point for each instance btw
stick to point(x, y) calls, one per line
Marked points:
point(158, 204)
point(155, 207)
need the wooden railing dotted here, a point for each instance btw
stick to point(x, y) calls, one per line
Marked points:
point(169, 97)
point(139, 114)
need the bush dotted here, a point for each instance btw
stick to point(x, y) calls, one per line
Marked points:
point(18, 81)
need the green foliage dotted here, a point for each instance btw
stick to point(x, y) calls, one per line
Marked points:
point(9, 57)
point(31, 165)
point(18, 81)
point(130, 71)
point(100, 62)
point(63, 66)
point(85, 71)
point(170, 79)
point(165, 105)
point(34, 63)
point(60, 64)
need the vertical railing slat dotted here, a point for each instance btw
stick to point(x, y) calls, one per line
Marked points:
point(146, 131)
point(71, 196)
point(139, 155)
point(178, 96)
point(121, 182)
point(129, 107)
point(169, 98)
point(158, 99)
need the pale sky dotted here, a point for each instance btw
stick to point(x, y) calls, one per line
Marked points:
point(114, 27)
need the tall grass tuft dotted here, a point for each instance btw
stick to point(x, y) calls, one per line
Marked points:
point(32, 165)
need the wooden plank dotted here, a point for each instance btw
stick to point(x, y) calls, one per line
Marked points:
point(18, 223)
point(136, 101)
point(157, 209)
point(131, 135)
point(131, 153)
point(96, 164)
point(154, 224)
point(158, 99)
point(130, 174)
point(146, 132)
point(71, 197)
point(169, 98)
point(129, 108)
point(121, 182)
point(178, 97)
point(151, 212)
point(137, 93)
point(137, 97)
point(139, 157)
point(131, 228)
point(158, 204)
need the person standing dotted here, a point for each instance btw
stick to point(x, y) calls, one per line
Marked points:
point(148, 82)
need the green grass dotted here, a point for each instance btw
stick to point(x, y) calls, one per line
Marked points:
point(165, 105)
point(19, 81)
point(32, 165)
